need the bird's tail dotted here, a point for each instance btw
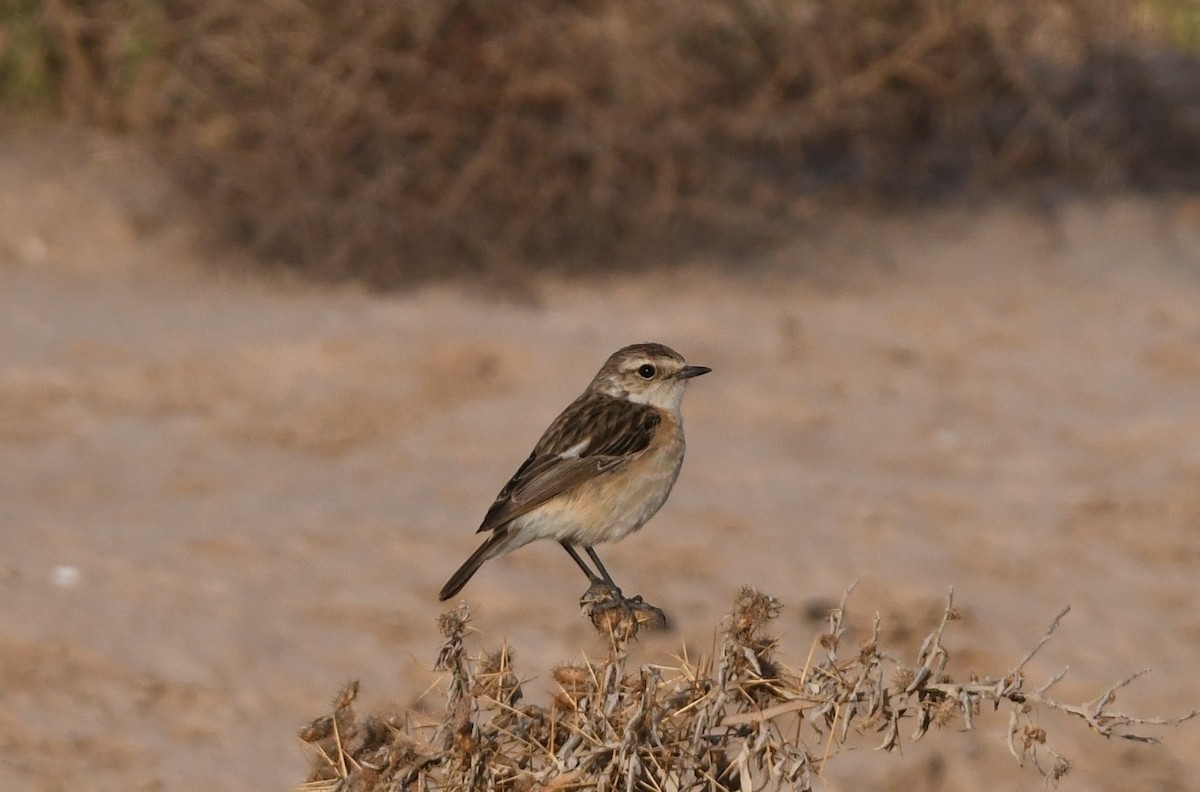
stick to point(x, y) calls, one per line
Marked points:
point(489, 549)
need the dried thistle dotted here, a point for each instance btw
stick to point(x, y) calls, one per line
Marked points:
point(752, 610)
point(736, 720)
point(494, 678)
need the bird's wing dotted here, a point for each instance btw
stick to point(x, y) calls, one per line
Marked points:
point(595, 435)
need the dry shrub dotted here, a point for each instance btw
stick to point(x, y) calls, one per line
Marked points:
point(401, 141)
point(742, 720)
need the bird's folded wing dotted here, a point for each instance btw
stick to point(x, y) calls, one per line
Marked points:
point(550, 478)
point(551, 471)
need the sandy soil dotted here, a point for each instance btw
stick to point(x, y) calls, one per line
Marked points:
point(221, 496)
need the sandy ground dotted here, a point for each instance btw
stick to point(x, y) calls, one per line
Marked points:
point(221, 497)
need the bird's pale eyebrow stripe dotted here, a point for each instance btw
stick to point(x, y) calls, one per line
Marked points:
point(577, 449)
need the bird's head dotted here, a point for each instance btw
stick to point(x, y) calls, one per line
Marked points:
point(651, 374)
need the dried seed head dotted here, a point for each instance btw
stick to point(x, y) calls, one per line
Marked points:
point(573, 676)
point(1034, 734)
point(318, 730)
point(495, 661)
point(494, 678)
point(648, 616)
point(903, 677)
point(945, 712)
point(752, 609)
point(346, 695)
point(367, 736)
point(610, 613)
point(618, 623)
point(453, 624)
point(576, 682)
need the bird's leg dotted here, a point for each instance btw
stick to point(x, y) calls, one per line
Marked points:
point(592, 576)
point(642, 612)
point(602, 595)
point(607, 578)
point(607, 607)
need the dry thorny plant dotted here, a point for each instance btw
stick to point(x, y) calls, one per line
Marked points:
point(394, 142)
point(739, 720)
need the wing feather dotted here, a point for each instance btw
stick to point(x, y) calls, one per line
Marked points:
point(615, 431)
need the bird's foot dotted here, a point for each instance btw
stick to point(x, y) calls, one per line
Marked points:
point(614, 614)
point(600, 592)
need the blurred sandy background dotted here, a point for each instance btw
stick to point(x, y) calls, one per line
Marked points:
point(262, 484)
point(227, 488)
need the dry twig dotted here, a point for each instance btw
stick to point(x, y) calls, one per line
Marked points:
point(738, 720)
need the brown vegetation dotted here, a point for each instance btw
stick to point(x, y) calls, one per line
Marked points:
point(740, 720)
point(400, 141)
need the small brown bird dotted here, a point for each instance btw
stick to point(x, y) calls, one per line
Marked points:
point(604, 467)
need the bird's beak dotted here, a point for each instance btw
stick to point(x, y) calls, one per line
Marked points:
point(687, 372)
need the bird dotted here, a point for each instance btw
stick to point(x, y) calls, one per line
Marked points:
point(602, 468)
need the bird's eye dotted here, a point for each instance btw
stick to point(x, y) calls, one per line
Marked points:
point(646, 371)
